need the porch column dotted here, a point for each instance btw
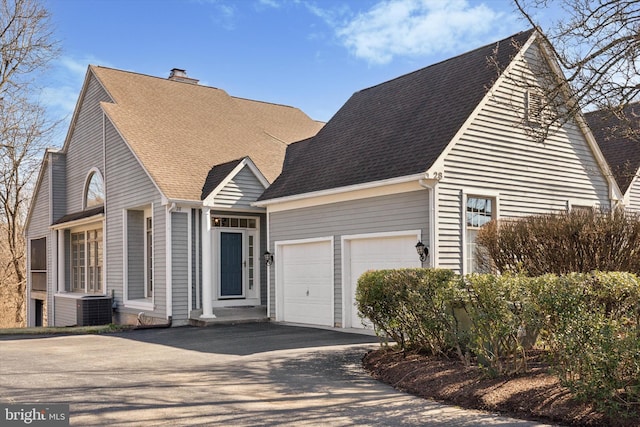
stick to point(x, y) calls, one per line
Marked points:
point(60, 285)
point(207, 282)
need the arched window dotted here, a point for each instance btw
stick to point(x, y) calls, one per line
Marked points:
point(94, 195)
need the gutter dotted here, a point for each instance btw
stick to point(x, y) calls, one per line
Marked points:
point(339, 190)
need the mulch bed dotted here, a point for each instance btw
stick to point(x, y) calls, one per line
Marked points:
point(536, 395)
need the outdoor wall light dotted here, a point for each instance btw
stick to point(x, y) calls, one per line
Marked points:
point(268, 258)
point(422, 250)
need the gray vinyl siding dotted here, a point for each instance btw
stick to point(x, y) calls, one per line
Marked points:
point(38, 227)
point(58, 185)
point(495, 154)
point(634, 194)
point(240, 192)
point(397, 212)
point(129, 187)
point(135, 253)
point(65, 314)
point(180, 265)
point(85, 148)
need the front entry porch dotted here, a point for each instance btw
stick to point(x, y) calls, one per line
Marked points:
point(230, 316)
point(230, 267)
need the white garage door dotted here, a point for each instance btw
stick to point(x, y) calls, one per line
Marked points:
point(306, 283)
point(376, 253)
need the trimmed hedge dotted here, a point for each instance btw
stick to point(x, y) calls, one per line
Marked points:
point(579, 241)
point(590, 323)
point(592, 327)
point(408, 306)
point(504, 322)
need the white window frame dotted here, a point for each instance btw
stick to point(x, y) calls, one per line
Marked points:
point(87, 184)
point(495, 214)
point(580, 204)
point(84, 230)
point(148, 303)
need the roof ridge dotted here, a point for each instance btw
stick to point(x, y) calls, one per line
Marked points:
point(531, 30)
point(165, 79)
point(264, 102)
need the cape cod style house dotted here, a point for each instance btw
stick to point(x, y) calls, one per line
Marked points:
point(620, 144)
point(146, 209)
point(427, 157)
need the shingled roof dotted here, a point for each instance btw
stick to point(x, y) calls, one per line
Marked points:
point(394, 129)
point(179, 130)
point(619, 144)
point(216, 175)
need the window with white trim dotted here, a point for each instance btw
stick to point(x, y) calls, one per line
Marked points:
point(86, 261)
point(94, 194)
point(478, 211)
point(38, 265)
point(139, 250)
point(233, 222)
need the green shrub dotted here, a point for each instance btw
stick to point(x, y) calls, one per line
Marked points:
point(590, 323)
point(409, 306)
point(579, 241)
point(504, 323)
point(592, 327)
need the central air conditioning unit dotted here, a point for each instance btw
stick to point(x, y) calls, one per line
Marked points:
point(93, 311)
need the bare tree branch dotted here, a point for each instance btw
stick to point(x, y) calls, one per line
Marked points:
point(596, 44)
point(26, 47)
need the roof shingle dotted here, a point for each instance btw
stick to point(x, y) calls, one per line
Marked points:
point(618, 143)
point(396, 128)
point(180, 130)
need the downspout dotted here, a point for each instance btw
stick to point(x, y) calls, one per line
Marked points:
point(431, 186)
point(169, 260)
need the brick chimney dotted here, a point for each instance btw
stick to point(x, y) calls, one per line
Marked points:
point(179, 75)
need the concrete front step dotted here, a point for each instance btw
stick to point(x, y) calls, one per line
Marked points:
point(231, 315)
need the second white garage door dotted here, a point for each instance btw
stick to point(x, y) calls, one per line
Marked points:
point(374, 253)
point(305, 280)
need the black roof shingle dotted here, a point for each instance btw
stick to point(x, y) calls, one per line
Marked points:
point(619, 144)
point(216, 175)
point(397, 128)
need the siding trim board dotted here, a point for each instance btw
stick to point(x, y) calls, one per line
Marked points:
point(168, 263)
point(403, 184)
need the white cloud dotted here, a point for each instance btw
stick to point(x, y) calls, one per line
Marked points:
point(225, 16)
point(62, 86)
point(269, 3)
point(413, 28)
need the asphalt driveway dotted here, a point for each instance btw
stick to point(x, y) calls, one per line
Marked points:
point(242, 375)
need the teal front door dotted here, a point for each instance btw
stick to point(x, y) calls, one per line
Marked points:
point(231, 265)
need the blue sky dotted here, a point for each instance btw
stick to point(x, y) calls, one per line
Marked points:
point(311, 54)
